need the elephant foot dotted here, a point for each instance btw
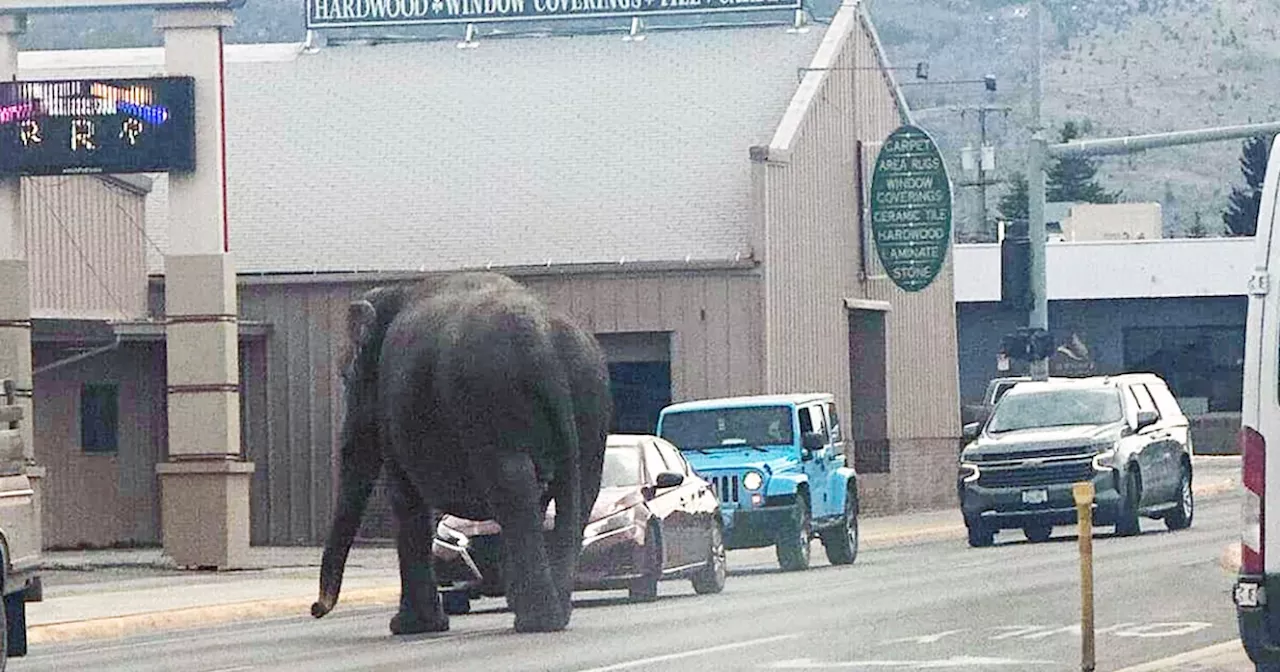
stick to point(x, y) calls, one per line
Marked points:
point(409, 623)
point(550, 617)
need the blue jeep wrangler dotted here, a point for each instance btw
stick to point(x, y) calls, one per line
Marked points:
point(777, 465)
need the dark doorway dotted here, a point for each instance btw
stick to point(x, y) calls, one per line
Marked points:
point(867, 376)
point(640, 374)
point(640, 391)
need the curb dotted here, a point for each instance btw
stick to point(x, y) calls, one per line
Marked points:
point(1216, 658)
point(194, 617)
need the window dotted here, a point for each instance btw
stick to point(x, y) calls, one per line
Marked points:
point(728, 427)
point(835, 423)
point(653, 461)
point(672, 457)
point(99, 417)
point(621, 468)
point(1056, 407)
point(1204, 365)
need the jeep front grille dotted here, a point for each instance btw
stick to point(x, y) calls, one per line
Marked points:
point(726, 488)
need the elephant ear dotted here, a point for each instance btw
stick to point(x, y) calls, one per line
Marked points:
point(360, 318)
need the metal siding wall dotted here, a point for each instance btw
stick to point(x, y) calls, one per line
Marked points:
point(293, 428)
point(86, 244)
point(811, 255)
point(813, 235)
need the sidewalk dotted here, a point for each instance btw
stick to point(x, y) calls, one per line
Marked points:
point(111, 593)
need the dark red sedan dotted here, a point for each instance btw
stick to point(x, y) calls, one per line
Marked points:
point(654, 519)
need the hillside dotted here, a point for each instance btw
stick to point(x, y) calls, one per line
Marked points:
point(1123, 66)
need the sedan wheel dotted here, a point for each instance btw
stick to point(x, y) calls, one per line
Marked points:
point(710, 579)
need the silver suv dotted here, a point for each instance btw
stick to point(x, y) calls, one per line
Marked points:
point(1125, 433)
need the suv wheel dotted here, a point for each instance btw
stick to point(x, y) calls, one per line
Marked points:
point(710, 579)
point(980, 535)
point(793, 550)
point(1127, 523)
point(1038, 533)
point(1180, 517)
point(841, 541)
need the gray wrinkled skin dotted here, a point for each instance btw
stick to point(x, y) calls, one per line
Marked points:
point(478, 402)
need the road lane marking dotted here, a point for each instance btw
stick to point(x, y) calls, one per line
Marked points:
point(690, 654)
point(954, 662)
point(1152, 630)
point(926, 639)
point(242, 668)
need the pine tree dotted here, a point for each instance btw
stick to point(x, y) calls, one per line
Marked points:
point(1241, 215)
point(1197, 230)
point(1071, 178)
point(1015, 204)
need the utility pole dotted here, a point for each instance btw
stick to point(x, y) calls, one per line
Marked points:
point(1039, 317)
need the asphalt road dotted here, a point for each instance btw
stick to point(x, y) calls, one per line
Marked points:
point(936, 605)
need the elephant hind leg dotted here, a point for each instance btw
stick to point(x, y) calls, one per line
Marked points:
point(420, 608)
point(516, 497)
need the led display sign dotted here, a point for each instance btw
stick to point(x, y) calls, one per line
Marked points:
point(97, 126)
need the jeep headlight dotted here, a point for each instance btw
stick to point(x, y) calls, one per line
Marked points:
point(613, 523)
point(752, 481)
point(1105, 460)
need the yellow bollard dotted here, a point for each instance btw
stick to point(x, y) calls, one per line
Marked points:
point(1083, 493)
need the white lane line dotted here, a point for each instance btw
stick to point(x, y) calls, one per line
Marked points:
point(242, 668)
point(949, 663)
point(690, 654)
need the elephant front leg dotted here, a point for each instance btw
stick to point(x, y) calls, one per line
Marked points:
point(516, 497)
point(565, 541)
point(420, 608)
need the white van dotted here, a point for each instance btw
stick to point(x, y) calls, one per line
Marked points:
point(1259, 576)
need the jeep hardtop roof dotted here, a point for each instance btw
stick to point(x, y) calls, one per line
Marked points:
point(798, 398)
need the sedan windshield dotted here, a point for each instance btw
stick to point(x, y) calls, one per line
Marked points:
point(621, 468)
point(759, 426)
point(1056, 408)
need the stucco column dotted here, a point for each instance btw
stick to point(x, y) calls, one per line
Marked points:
point(15, 282)
point(204, 484)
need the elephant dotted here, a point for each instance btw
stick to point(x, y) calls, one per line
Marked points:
point(472, 398)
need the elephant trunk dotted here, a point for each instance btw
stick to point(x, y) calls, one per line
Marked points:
point(357, 479)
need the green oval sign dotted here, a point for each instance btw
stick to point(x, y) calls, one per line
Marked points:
point(911, 208)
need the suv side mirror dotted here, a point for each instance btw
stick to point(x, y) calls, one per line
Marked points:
point(1146, 419)
point(812, 441)
point(970, 431)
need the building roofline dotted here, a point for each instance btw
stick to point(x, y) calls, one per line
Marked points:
point(745, 264)
point(839, 31)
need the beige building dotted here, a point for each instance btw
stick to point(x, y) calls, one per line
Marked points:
point(696, 198)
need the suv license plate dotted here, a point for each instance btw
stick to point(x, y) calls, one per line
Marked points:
point(1248, 594)
point(1035, 496)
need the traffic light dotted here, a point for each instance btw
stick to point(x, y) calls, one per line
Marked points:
point(1015, 268)
point(1027, 344)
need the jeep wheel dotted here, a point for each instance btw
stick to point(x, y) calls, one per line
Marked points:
point(645, 588)
point(793, 550)
point(980, 535)
point(1180, 517)
point(1038, 533)
point(841, 541)
point(710, 579)
point(1127, 523)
